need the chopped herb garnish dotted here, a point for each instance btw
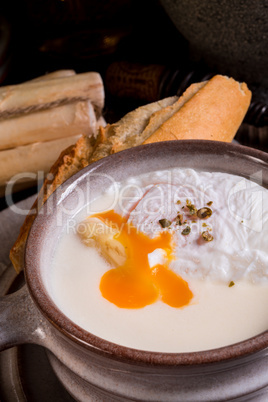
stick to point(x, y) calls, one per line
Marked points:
point(179, 219)
point(186, 231)
point(204, 225)
point(204, 213)
point(209, 203)
point(165, 223)
point(207, 236)
point(231, 284)
point(192, 209)
point(179, 202)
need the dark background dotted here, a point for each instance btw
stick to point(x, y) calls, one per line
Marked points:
point(86, 35)
point(39, 36)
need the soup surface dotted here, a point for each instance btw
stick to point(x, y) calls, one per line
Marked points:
point(170, 261)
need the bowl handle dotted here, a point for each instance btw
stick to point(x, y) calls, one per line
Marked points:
point(20, 320)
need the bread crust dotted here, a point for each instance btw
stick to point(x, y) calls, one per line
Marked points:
point(214, 112)
point(127, 132)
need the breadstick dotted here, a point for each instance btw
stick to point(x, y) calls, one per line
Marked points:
point(35, 96)
point(31, 159)
point(46, 125)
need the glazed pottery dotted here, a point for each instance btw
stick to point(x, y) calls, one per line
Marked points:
point(231, 36)
point(94, 369)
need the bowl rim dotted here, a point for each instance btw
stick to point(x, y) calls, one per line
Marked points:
point(92, 342)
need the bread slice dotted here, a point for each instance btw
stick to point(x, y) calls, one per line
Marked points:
point(204, 107)
point(127, 132)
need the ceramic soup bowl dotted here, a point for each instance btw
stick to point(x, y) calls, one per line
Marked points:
point(92, 368)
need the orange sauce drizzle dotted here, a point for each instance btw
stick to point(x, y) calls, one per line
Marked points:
point(135, 284)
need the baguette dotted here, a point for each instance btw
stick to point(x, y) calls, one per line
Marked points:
point(137, 126)
point(211, 110)
point(145, 125)
point(214, 112)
